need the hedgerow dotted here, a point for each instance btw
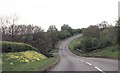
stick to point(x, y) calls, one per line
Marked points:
point(16, 47)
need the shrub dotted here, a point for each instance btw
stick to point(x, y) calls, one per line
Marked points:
point(16, 47)
point(110, 35)
point(89, 44)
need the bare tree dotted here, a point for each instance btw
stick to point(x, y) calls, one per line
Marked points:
point(7, 21)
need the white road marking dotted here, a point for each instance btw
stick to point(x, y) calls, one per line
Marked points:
point(82, 61)
point(94, 67)
point(99, 69)
point(88, 63)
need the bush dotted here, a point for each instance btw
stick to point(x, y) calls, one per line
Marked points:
point(107, 37)
point(104, 42)
point(89, 44)
point(64, 34)
point(110, 35)
point(15, 47)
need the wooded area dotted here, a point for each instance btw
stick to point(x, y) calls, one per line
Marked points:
point(99, 36)
point(34, 35)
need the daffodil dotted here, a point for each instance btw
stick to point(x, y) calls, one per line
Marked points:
point(26, 61)
point(11, 63)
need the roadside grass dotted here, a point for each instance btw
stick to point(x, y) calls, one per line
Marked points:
point(16, 63)
point(108, 52)
point(73, 44)
point(24, 57)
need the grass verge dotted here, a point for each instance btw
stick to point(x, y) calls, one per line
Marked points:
point(108, 52)
point(73, 44)
point(38, 64)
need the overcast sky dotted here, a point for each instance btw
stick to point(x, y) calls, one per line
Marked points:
point(76, 13)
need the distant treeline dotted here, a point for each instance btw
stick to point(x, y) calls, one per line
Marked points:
point(34, 35)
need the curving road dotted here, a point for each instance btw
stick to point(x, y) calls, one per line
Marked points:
point(71, 62)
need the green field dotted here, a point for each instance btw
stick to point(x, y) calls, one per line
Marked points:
point(108, 52)
point(26, 60)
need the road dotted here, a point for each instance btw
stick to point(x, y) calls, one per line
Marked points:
point(71, 62)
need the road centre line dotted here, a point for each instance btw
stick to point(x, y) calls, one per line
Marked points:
point(99, 69)
point(88, 63)
point(93, 66)
point(82, 61)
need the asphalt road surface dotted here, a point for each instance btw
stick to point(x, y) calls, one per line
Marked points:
point(71, 62)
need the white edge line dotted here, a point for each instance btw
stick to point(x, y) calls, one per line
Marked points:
point(99, 70)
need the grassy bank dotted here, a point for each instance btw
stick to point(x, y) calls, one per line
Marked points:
point(73, 45)
point(25, 60)
point(22, 61)
point(107, 52)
